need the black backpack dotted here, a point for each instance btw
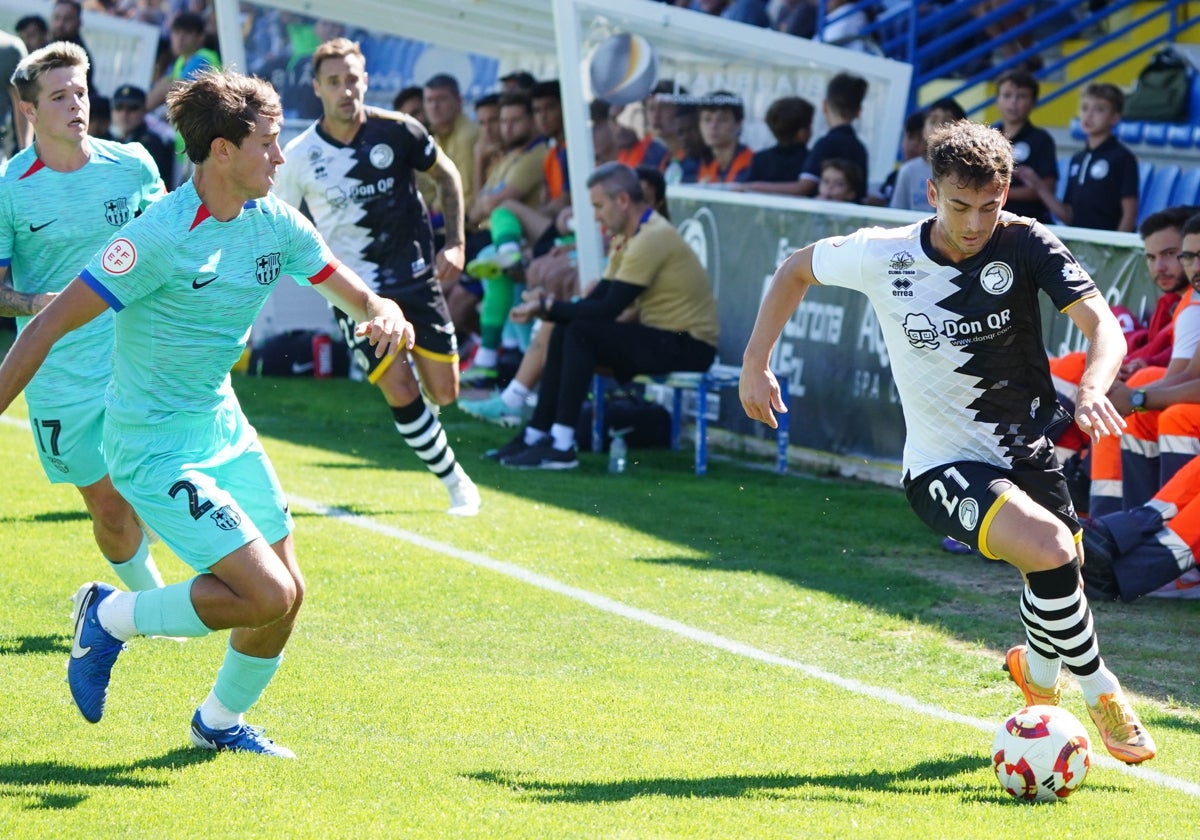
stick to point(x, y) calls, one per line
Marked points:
point(1161, 94)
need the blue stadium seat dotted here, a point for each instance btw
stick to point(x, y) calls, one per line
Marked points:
point(1157, 193)
point(1077, 130)
point(1064, 171)
point(1155, 134)
point(1187, 188)
point(1179, 136)
point(1130, 131)
point(1196, 136)
point(1145, 168)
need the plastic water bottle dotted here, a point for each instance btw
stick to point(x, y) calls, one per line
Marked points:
point(618, 452)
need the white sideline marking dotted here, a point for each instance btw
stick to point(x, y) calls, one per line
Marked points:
point(704, 637)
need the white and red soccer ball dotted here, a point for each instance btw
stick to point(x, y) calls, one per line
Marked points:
point(1041, 754)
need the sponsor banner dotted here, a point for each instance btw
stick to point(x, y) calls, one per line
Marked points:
point(843, 400)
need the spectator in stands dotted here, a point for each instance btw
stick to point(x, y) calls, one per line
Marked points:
point(1102, 179)
point(489, 146)
point(66, 20)
point(518, 81)
point(841, 180)
point(1150, 549)
point(752, 12)
point(455, 133)
point(191, 57)
point(411, 100)
point(15, 131)
point(651, 269)
point(1163, 426)
point(790, 120)
point(555, 274)
point(726, 160)
point(796, 17)
point(649, 149)
point(519, 177)
point(911, 191)
point(1033, 147)
point(33, 31)
point(1109, 490)
point(842, 104)
point(845, 21)
point(912, 146)
point(130, 125)
point(672, 116)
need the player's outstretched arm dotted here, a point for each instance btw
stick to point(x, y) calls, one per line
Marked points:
point(379, 319)
point(73, 307)
point(758, 387)
point(1094, 412)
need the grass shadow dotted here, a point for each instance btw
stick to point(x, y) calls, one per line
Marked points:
point(34, 645)
point(54, 785)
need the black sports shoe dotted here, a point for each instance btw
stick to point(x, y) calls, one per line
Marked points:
point(543, 456)
point(514, 446)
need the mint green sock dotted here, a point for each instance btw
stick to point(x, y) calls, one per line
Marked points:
point(493, 310)
point(504, 226)
point(242, 679)
point(168, 611)
point(139, 571)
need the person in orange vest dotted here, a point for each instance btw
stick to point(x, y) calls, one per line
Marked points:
point(725, 159)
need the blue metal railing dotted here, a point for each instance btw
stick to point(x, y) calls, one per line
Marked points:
point(952, 42)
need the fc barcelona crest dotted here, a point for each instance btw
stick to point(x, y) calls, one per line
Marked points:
point(266, 269)
point(226, 518)
point(116, 211)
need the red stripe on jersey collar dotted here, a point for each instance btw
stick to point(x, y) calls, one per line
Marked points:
point(37, 164)
point(201, 214)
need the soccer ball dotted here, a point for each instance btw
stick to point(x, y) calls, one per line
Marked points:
point(1041, 754)
point(623, 69)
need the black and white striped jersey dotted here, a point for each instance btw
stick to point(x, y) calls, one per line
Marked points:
point(964, 339)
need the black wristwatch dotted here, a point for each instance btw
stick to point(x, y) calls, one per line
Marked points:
point(1138, 399)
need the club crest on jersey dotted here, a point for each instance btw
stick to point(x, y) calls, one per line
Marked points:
point(996, 278)
point(119, 256)
point(381, 156)
point(901, 261)
point(227, 518)
point(968, 514)
point(920, 331)
point(267, 268)
point(116, 211)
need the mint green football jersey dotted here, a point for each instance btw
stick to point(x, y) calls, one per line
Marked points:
point(51, 224)
point(186, 289)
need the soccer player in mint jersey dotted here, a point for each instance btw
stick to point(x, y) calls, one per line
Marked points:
point(354, 170)
point(186, 280)
point(61, 199)
point(965, 341)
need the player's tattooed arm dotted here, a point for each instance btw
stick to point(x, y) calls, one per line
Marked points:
point(449, 183)
point(14, 303)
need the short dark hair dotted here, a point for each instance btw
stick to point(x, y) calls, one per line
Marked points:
point(518, 98)
point(187, 22)
point(653, 176)
point(523, 79)
point(1110, 93)
point(616, 178)
point(491, 100)
point(1022, 79)
point(723, 100)
point(856, 179)
point(971, 154)
point(949, 104)
point(33, 20)
point(1192, 225)
point(1171, 217)
point(914, 123)
point(845, 94)
point(550, 89)
point(443, 81)
point(406, 94)
point(787, 115)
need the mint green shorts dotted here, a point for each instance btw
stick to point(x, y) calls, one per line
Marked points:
point(207, 490)
point(69, 442)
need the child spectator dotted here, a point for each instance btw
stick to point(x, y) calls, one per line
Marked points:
point(843, 103)
point(912, 191)
point(790, 120)
point(1016, 96)
point(1102, 179)
point(912, 146)
point(725, 160)
point(841, 180)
